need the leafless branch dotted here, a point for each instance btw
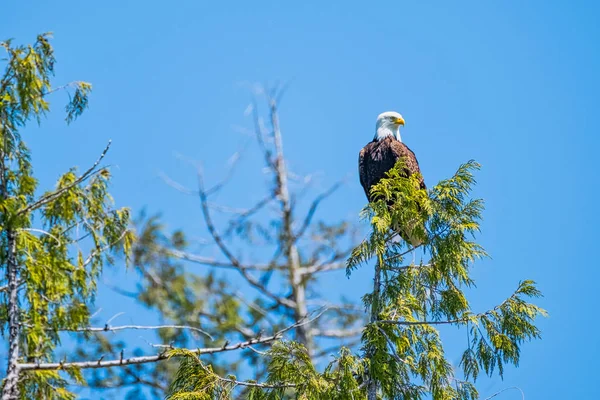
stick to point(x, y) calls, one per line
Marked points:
point(176, 185)
point(234, 159)
point(108, 328)
point(163, 355)
point(259, 131)
point(229, 255)
point(337, 261)
point(255, 307)
point(323, 268)
point(4, 288)
point(504, 390)
point(313, 209)
point(338, 333)
point(58, 88)
point(215, 263)
point(119, 290)
point(117, 315)
point(251, 211)
point(136, 360)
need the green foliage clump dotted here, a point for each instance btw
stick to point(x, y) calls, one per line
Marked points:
point(53, 245)
point(402, 352)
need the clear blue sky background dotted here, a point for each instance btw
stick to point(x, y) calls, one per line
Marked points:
point(511, 84)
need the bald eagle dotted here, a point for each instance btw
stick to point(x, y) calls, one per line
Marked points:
point(381, 154)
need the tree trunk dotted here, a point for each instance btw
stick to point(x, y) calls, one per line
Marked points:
point(11, 389)
point(289, 241)
point(373, 384)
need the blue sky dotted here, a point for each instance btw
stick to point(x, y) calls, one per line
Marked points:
point(511, 84)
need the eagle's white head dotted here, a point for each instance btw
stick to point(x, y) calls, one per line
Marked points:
point(388, 124)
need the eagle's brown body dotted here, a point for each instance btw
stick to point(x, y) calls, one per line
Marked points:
point(378, 157)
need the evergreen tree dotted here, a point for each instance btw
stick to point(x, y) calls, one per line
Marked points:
point(402, 353)
point(49, 280)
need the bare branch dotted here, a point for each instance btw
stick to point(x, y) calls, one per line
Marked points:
point(54, 195)
point(4, 288)
point(176, 185)
point(119, 290)
point(338, 333)
point(215, 263)
point(229, 255)
point(233, 160)
point(58, 88)
point(313, 209)
point(288, 239)
point(504, 390)
point(332, 264)
point(256, 308)
point(138, 360)
point(163, 355)
point(251, 211)
point(323, 268)
point(108, 328)
point(259, 131)
point(114, 317)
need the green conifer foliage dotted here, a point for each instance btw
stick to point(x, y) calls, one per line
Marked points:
point(402, 353)
point(53, 245)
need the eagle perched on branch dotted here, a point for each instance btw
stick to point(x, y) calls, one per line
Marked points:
point(381, 154)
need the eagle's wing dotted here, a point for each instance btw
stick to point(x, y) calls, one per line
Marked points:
point(399, 150)
point(362, 171)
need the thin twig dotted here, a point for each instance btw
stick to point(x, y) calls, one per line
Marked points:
point(54, 195)
point(56, 89)
point(259, 137)
point(4, 288)
point(229, 255)
point(313, 209)
point(234, 223)
point(338, 333)
point(504, 390)
point(108, 328)
point(176, 185)
point(233, 160)
point(214, 263)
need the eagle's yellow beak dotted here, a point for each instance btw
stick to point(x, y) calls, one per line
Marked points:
point(399, 121)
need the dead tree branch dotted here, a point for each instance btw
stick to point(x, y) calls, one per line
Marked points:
point(229, 255)
point(100, 363)
point(211, 262)
point(108, 328)
point(313, 209)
